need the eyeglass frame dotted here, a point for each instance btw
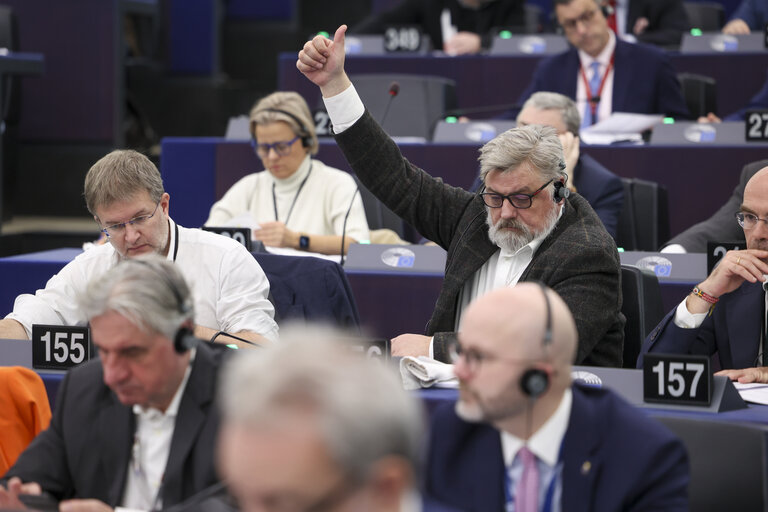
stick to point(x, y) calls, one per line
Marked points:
point(741, 217)
point(474, 358)
point(530, 197)
point(585, 18)
point(263, 149)
point(141, 219)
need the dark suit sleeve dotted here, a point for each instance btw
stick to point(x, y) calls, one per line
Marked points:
point(667, 21)
point(758, 101)
point(722, 226)
point(668, 338)
point(44, 460)
point(752, 13)
point(602, 189)
point(669, 93)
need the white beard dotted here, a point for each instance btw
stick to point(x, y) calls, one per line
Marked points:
point(513, 241)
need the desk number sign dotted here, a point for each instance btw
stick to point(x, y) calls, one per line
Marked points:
point(240, 235)
point(58, 347)
point(677, 379)
point(404, 38)
point(756, 125)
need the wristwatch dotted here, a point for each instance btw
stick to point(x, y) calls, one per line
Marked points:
point(304, 242)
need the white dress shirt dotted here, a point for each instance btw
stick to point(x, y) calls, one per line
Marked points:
point(151, 447)
point(229, 287)
point(605, 107)
point(545, 445)
point(318, 209)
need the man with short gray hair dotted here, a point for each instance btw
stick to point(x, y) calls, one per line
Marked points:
point(134, 428)
point(124, 193)
point(326, 429)
point(532, 229)
point(587, 176)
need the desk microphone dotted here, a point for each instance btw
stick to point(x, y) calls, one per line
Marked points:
point(765, 282)
point(344, 226)
point(394, 90)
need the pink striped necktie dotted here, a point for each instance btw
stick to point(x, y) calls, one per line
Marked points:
point(527, 492)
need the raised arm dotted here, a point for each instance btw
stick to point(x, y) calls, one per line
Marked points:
point(322, 62)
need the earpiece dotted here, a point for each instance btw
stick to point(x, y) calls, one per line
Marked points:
point(306, 138)
point(535, 381)
point(561, 192)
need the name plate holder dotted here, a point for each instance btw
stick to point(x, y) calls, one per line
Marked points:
point(372, 348)
point(756, 125)
point(673, 381)
point(402, 39)
point(239, 235)
point(59, 347)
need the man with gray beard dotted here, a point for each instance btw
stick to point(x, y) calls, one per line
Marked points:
point(735, 329)
point(533, 230)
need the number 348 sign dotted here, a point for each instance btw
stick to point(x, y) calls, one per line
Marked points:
point(57, 347)
point(677, 379)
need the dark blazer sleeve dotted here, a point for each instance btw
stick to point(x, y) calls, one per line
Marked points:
point(667, 21)
point(602, 189)
point(722, 225)
point(753, 12)
point(758, 101)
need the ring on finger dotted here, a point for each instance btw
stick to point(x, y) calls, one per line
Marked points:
point(738, 261)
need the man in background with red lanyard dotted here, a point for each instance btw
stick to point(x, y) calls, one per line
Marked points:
point(604, 74)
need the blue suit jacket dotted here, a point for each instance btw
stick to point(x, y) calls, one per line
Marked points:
point(602, 189)
point(634, 463)
point(644, 80)
point(732, 331)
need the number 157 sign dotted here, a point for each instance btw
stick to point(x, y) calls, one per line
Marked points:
point(677, 379)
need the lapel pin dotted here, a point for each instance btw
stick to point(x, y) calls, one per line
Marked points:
point(585, 467)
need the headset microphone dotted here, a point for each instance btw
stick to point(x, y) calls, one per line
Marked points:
point(535, 381)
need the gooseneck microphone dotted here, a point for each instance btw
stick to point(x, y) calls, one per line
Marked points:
point(394, 90)
point(344, 226)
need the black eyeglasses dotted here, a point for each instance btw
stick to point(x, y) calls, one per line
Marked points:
point(520, 201)
point(282, 148)
point(749, 220)
point(474, 358)
point(585, 18)
point(119, 229)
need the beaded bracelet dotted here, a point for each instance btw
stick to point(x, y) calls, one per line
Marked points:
point(705, 296)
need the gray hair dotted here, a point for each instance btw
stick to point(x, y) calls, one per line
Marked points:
point(361, 408)
point(120, 175)
point(534, 145)
point(149, 291)
point(292, 104)
point(569, 113)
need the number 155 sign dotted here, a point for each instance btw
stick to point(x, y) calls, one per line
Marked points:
point(677, 379)
point(57, 347)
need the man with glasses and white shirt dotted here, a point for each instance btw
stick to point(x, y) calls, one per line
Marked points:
point(725, 313)
point(124, 192)
point(522, 227)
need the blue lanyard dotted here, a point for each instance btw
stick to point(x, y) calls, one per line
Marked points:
point(549, 496)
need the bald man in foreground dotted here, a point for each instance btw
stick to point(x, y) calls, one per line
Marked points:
point(523, 434)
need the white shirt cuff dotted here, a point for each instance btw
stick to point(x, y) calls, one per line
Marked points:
point(686, 319)
point(344, 109)
point(432, 347)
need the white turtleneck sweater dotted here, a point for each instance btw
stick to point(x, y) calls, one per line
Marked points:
point(320, 206)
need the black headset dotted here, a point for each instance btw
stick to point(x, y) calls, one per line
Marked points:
point(561, 191)
point(306, 137)
point(184, 339)
point(535, 381)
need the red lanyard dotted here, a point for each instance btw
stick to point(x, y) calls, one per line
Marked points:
point(593, 100)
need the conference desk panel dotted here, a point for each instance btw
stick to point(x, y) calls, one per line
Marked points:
point(389, 303)
point(484, 80)
point(198, 171)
